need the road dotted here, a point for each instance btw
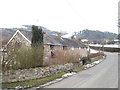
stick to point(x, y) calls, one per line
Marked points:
point(103, 75)
point(119, 71)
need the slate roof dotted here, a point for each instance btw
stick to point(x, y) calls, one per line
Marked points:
point(55, 40)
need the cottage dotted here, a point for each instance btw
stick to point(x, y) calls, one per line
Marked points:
point(51, 43)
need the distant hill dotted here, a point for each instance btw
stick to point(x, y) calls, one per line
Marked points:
point(95, 35)
point(8, 32)
point(44, 29)
point(85, 34)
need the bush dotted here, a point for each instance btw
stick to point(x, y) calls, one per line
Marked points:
point(95, 55)
point(62, 57)
point(23, 58)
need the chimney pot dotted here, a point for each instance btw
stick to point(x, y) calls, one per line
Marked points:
point(59, 34)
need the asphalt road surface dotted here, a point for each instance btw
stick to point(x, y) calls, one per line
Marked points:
point(103, 75)
point(119, 71)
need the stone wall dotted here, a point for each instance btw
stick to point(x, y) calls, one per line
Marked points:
point(33, 73)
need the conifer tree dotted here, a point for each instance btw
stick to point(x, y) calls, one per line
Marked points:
point(37, 36)
point(37, 44)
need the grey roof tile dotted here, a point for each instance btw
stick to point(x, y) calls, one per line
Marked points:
point(55, 40)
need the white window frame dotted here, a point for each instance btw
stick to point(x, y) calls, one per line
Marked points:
point(72, 48)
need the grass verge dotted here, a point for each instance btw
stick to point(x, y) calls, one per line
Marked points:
point(98, 59)
point(95, 60)
point(82, 67)
point(33, 82)
point(78, 68)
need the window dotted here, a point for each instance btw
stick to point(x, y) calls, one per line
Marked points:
point(72, 48)
point(79, 48)
point(51, 47)
point(64, 47)
point(83, 55)
point(52, 54)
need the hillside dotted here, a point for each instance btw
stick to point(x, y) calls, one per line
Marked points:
point(95, 35)
point(84, 34)
point(28, 27)
point(8, 32)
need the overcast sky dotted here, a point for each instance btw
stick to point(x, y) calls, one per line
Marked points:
point(61, 15)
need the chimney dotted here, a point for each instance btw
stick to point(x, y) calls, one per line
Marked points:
point(44, 32)
point(59, 34)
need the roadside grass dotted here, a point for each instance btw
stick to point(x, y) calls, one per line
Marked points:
point(78, 68)
point(95, 60)
point(98, 59)
point(33, 82)
point(104, 54)
point(82, 67)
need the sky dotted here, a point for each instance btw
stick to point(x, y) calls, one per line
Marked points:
point(61, 15)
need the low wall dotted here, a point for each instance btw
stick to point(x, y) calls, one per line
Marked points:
point(39, 72)
point(96, 58)
point(33, 73)
point(107, 49)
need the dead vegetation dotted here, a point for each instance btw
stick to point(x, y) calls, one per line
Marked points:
point(22, 58)
point(62, 57)
point(95, 55)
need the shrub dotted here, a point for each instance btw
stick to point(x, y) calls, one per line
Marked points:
point(95, 55)
point(62, 57)
point(23, 58)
